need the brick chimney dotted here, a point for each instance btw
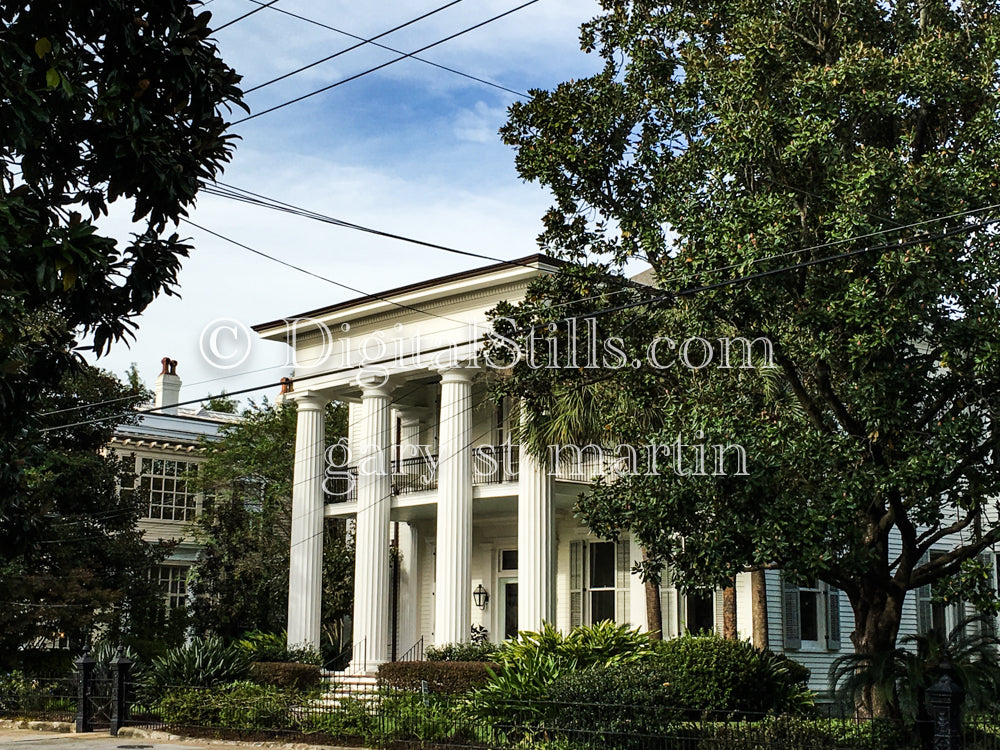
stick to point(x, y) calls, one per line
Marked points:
point(168, 387)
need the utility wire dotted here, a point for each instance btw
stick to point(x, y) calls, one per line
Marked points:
point(385, 64)
point(245, 15)
point(316, 275)
point(361, 43)
point(605, 311)
point(381, 46)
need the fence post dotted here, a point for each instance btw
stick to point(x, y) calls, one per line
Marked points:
point(121, 665)
point(944, 701)
point(84, 710)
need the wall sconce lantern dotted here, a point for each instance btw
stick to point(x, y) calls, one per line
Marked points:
point(481, 596)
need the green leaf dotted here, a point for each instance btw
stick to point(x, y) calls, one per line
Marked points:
point(52, 78)
point(43, 47)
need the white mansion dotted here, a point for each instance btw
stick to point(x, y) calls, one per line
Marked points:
point(485, 534)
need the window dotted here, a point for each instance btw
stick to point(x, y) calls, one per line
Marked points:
point(810, 615)
point(700, 612)
point(508, 560)
point(599, 581)
point(809, 610)
point(602, 581)
point(172, 580)
point(165, 483)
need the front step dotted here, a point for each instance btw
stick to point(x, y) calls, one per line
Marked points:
point(341, 685)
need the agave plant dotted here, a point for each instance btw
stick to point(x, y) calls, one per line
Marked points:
point(903, 675)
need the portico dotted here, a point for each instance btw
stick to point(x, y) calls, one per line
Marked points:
point(421, 466)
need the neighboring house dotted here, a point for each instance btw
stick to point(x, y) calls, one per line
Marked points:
point(165, 446)
point(486, 534)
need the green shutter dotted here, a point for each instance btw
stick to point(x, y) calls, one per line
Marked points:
point(790, 622)
point(833, 618)
point(623, 579)
point(575, 584)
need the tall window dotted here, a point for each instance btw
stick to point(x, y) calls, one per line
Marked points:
point(810, 615)
point(172, 580)
point(598, 581)
point(165, 484)
point(602, 581)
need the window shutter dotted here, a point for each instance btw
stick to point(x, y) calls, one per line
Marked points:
point(669, 604)
point(922, 598)
point(833, 618)
point(623, 573)
point(791, 624)
point(575, 584)
point(718, 617)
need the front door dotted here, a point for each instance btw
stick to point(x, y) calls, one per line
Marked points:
point(508, 594)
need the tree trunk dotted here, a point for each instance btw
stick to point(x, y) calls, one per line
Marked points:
point(877, 615)
point(654, 612)
point(758, 606)
point(729, 612)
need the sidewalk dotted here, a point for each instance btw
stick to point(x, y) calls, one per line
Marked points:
point(130, 739)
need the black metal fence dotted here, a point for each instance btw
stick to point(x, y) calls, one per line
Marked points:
point(110, 697)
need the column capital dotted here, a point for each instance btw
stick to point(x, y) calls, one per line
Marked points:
point(457, 373)
point(308, 400)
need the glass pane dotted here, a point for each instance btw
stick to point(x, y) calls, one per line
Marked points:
point(700, 612)
point(602, 606)
point(809, 615)
point(602, 566)
point(146, 466)
point(508, 559)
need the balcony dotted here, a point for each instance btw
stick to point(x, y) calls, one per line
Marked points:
point(491, 464)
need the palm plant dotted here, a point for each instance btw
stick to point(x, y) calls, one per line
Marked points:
point(903, 675)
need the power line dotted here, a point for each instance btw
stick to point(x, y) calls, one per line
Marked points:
point(245, 15)
point(316, 275)
point(385, 64)
point(381, 46)
point(654, 300)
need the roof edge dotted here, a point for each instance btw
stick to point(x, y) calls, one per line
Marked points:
point(417, 286)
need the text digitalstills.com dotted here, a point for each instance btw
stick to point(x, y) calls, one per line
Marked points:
point(571, 343)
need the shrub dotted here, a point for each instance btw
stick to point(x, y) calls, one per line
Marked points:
point(204, 662)
point(602, 644)
point(463, 652)
point(237, 705)
point(273, 647)
point(711, 672)
point(529, 664)
point(629, 699)
point(286, 675)
point(441, 676)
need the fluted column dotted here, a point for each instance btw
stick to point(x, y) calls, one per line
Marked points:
point(535, 544)
point(305, 564)
point(371, 570)
point(409, 433)
point(453, 593)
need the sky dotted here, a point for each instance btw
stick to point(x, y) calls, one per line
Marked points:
point(410, 149)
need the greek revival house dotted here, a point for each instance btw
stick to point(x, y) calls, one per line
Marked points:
point(483, 534)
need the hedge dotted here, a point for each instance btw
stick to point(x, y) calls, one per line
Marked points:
point(441, 676)
point(285, 674)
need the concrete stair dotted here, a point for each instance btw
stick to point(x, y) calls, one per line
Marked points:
point(343, 685)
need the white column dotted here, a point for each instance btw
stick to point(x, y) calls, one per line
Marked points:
point(453, 595)
point(371, 570)
point(409, 588)
point(536, 570)
point(409, 433)
point(305, 564)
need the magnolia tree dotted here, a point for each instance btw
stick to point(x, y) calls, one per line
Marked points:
point(817, 179)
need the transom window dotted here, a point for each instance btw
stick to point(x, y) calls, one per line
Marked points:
point(165, 484)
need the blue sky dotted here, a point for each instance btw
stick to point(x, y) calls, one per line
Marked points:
point(409, 149)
